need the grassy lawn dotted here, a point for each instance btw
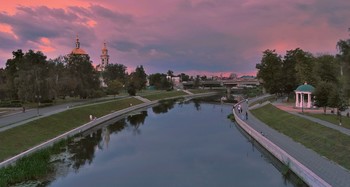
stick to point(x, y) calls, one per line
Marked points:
point(332, 118)
point(163, 95)
point(21, 138)
point(325, 141)
point(269, 98)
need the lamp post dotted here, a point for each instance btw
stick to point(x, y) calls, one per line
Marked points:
point(38, 97)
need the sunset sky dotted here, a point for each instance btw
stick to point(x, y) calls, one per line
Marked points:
point(209, 37)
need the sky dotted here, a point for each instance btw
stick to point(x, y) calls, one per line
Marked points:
point(204, 37)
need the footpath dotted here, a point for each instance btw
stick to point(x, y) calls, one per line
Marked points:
point(332, 173)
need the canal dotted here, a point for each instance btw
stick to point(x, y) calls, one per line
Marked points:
point(173, 144)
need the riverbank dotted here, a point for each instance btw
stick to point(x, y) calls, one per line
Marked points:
point(299, 169)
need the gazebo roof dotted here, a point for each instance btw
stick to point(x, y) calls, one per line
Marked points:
point(305, 88)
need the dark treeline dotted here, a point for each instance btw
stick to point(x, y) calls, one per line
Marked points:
point(31, 77)
point(329, 74)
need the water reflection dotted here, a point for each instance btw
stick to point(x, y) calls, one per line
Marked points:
point(164, 107)
point(197, 104)
point(136, 120)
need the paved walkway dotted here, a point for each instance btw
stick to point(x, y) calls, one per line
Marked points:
point(17, 119)
point(321, 166)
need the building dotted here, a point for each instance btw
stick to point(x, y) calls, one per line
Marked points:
point(104, 58)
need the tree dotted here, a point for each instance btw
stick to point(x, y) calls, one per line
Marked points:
point(83, 76)
point(343, 47)
point(115, 72)
point(304, 66)
point(338, 101)
point(3, 86)
point(184, 77)
point(270, 71)
point(170, 73)
point(114, 87)
point(322, 94)
point(289, 81)
point(159, 81)
point(138, 78)
point(326, 69)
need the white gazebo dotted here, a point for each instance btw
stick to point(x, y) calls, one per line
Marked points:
point(302, 93)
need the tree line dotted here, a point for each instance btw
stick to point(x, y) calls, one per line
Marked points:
point(329, 74)
point(31, 77)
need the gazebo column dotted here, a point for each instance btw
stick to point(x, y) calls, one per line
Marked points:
point(302, 100)
point(309, 100)
point(296, 99)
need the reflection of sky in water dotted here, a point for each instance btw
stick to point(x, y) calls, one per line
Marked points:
point(183, 147)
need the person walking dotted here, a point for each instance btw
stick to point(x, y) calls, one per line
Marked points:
point(246, 115)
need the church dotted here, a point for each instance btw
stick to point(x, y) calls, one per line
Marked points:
point(104, 58)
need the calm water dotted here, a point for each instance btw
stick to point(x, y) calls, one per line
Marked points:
point(178, 144)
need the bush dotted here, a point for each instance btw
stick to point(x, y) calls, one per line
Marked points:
point(14, 103)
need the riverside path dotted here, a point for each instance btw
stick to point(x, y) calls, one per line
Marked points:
point(329, 171)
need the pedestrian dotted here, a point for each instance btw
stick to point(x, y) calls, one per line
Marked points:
point(246, 115)
point(91, 118)
point(24, 109)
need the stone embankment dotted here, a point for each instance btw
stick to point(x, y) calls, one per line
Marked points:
point(299, 169)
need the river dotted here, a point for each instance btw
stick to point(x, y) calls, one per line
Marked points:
point(173, 144)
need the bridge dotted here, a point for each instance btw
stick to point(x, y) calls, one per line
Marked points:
point(226, 83)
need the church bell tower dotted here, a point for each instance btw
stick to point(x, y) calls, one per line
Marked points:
point(104, 57)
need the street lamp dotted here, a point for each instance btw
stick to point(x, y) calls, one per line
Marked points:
point(38, 97)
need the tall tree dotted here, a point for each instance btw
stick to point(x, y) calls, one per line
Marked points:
point(304, 66)
point(326, 69)
point(84, 77)
point(138, 78)
point(270, 71)
point(115, 72)
point(289, 73)
point(344, 58)
point(322, 94)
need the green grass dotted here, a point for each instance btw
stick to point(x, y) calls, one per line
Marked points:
point(331, 118)
point(325, 141)
point(269, 98)
point(21, 138)
point(163, 95)
point(30, 168)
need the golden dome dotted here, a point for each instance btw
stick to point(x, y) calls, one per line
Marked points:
point(77, 50)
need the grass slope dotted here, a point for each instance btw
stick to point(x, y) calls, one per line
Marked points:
point(325, 141)
point(163, 95)
point(21, 138)
point(332, 118)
